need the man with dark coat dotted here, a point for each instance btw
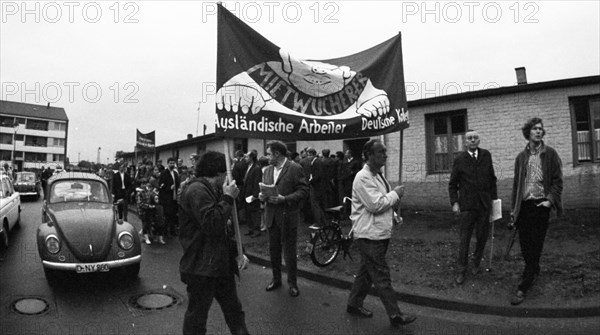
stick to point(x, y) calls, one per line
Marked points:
point(208, 265)
point(250, 191)
point(472, 188)
point(121, 189)
point(167, 194)
point(282, 212)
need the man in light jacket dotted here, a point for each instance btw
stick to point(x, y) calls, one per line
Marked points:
point(373, 203)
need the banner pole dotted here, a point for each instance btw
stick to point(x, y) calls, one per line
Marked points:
point(234, 214)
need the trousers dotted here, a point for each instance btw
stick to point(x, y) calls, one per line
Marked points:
point(532, 224)
point(201, 292)
point(373, 270)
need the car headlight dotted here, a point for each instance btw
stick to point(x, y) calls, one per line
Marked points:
point(125, 240)
point(52, 244)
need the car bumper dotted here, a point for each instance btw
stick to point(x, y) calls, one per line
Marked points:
point(111, 264)
point(28, 193)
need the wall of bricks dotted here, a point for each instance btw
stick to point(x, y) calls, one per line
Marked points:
point(498, 119)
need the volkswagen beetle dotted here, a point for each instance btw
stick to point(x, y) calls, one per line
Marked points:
point(80, 230)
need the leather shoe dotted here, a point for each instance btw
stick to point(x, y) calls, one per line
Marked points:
point(460, 278)
point(518, 298)
point(360, 311)
point(273, 285)
point(294, 292)
point(402, 319)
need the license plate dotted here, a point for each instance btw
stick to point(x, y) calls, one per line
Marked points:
point(85, 268)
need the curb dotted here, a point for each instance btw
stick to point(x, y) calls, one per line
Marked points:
point(459, 306)
point(452, 305)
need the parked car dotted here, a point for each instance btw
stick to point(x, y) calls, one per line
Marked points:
point(10, 210)
point(28, 184)
point(81, 231)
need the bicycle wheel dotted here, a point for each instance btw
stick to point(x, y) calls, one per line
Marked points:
point(326, 246)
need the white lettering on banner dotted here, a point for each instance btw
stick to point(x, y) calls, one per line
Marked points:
point(377, 124)
point(240, 122)
point(264, 125)
point(321, 128)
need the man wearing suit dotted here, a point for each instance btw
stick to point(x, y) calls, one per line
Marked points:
point(282, 212)
point(121, 188)
point(472, 188)
point(167, 195)
point(252, 178)
point(319, 189)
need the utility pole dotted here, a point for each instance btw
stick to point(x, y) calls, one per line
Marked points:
point(98, 159)
point(198, 118)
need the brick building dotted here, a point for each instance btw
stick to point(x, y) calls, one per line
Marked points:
point(570, 109)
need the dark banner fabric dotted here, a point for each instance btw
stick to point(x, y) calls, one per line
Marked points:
point(144, 141)
point(265, 92)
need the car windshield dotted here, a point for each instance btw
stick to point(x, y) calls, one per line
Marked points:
point(25, 178)
point(78, 190)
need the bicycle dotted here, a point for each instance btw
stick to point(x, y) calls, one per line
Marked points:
point(327, 241)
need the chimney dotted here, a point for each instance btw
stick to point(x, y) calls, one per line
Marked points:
point(521, 76)
point(190, 136)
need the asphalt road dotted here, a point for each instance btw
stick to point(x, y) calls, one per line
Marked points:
point(105, 303)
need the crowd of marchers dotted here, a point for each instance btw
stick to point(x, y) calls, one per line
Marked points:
point(275, 192)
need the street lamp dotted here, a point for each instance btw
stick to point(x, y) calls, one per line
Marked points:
point(98, 159)
point(12, 155)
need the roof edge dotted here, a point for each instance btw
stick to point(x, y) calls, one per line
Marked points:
point(589, 80)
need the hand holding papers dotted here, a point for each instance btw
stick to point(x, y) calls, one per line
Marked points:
point(270, 194)
point(268, 190)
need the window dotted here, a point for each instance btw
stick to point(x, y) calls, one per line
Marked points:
point(35, 157)
point(19, 137)
point(58, 158)
point(6, 139)
point(58, 142)
point(59, 126)
point(585, 118)
point(36, 141)
point(445, 136)
point(240, 144)
point(37, 125)
point(7, 121)
point(5, 155)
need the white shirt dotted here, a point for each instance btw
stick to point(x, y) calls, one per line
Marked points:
point(277, 170)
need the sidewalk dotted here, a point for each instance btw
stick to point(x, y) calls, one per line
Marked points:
point(422, 257)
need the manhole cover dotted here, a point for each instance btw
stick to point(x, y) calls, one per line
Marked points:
point(31, 306)
point(153, 301)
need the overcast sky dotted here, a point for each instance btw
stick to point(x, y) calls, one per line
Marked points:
point(115, 67)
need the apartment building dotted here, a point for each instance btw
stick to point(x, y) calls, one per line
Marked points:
point(32, 136)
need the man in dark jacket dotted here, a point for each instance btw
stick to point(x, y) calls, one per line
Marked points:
point(282, 213)
point(208, 264)
point(472, 188)
point(250, 191)
point(537, 188)
point(121, 189)
point(167, 194)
